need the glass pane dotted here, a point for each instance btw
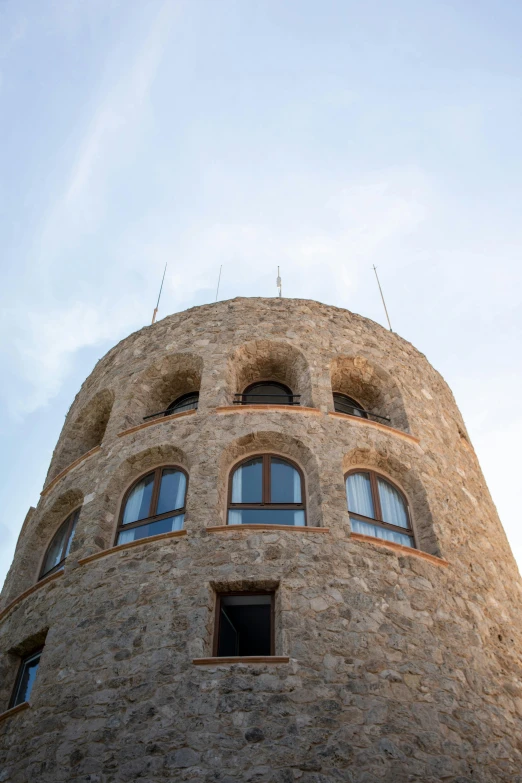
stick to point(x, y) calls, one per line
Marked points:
point(359, 493)
point(358, 526)
point(71, 536)
point(267, 394)
point(172, 491)
point(138, 502)
point(152, 529)
point(247, 482)
point(265, 516)
point(186, 403)
point(27, 678)
point(55, 552)
point(285, 482)
point(344, 404)
point(392, 505)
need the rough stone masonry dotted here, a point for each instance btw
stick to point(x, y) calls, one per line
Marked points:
point(397, 665)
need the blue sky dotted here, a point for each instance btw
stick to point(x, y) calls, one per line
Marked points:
point(323, 137)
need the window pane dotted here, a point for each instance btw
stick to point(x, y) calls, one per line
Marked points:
point(285, 482)
point(71, 536)
point(359, 493)
point(247, 482)
point(138, 502)
point(172, 491)
point(55, 554)
point(358, 526)
point(152, 529)
point(265, 516)
point(344, 404)
point(267, 394)
point(185, 403)
point(27, 677)
point(392, 505)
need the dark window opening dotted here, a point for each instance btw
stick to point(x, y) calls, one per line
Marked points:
point(267, 393)
point(244, 625)
point(25, 679)
point(60, 546)
point(187, 402)
point(345, 404)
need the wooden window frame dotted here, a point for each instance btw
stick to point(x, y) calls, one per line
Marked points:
point(378, 520)
point(19, 675)
point(217, 617)
point(266, 488)
point(352, 400)
point(158, 473)
point(72, 519)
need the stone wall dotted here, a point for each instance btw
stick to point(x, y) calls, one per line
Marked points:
point(401, 667)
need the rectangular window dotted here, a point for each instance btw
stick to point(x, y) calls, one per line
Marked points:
point(26, 677)
point(244, 625)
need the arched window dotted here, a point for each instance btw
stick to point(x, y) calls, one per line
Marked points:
point(268, 393)
point(60, 546)
point(377, 508)
point(266, 490)
point(154, 504)
point(345, 404)
point(186, 402)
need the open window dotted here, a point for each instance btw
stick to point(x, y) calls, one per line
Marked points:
point(60, 546)
point(378, 508)
point(25, 678)
point(268, 490)
point(244, 624)
point(155, 504)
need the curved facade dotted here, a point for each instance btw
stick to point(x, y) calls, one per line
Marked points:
point(387, 663)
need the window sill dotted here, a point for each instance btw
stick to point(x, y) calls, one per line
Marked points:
point(45, 491)
point(375, 424)
point(29, 591)
point(131, 545)
point(400, 549)
point(159, 420)
point(257, 408)
point(268, 528)
point(239, 659)
point(19, 708)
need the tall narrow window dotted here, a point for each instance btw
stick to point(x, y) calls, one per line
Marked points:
point(154, 504)
point(377, 508)
point(266, 490)
point(345, 404)
point(186, 402)
point(268, 393)
point(244, 624)
point(60, 545)
point(25, 679)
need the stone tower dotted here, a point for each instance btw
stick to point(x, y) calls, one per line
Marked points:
point(264, 553)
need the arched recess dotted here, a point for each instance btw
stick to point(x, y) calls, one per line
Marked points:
point(84, 433)
point(408, 481)
point(161, 383)
point(275, 360)
point(276, 443)
point(371, 386)
point(123, 476)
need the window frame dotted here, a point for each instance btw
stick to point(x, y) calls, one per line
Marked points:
point(286, 389)
point(217, 618)
point(25, 659)
point(72, 518)
point(158, 473)
point(352, 400)
point(266, 488)
point(378, 520)
point(171, 411)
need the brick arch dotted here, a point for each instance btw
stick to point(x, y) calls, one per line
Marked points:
point(275, 443)
point(371, 385)
point(84, 433)
point(130, 469)
point(277, 360)
point(407, 480)
point(161, 383)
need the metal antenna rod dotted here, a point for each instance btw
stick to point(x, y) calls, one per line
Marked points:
point(219, 279)
point(154, 314)
point(278, 284)
point(382, 297)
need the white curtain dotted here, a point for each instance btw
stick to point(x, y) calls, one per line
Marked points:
point(359, 493)
point(235, 517)
point(299, 518)
point(237, 489)
point(392, 505)
point(180, 494)
point(134, 501)
point(358, 526)
point(126, 536)
point(297, 487)
point(73, 528)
